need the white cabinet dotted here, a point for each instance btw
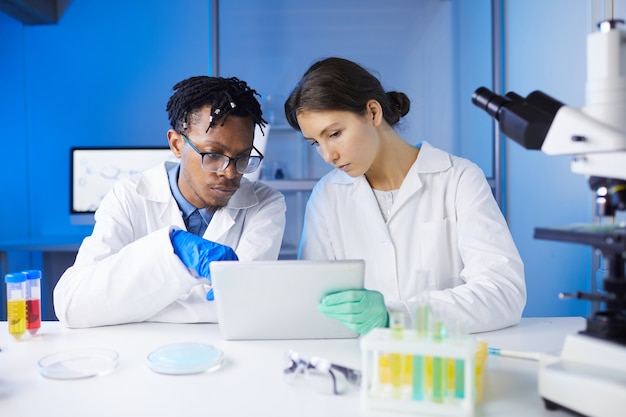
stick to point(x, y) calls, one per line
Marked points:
point(292, 166)
point(295, 198)
point(409, 43)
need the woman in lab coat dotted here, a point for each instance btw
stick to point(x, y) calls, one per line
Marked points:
point(140, 263)
point(424, 221)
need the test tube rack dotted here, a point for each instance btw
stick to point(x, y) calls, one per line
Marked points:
point(418, 374)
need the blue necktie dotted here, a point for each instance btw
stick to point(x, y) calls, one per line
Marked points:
point(196, 224)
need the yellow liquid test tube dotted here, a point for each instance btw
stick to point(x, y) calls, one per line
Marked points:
point(407, 382)
point(397, 366)
point(384, 370)
point(428, 376)
point(16, 304)
point(481, 363)
point(397, 377)
point(456, 379)
point(16, 317)
point(450, 377)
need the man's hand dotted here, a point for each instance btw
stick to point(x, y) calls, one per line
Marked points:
point(197, 253)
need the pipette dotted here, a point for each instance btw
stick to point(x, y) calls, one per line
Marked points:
point(533, 356)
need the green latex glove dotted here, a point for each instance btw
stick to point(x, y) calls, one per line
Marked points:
point(359, 310)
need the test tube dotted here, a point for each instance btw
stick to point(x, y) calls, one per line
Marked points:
point(407, 382)
point(33, 300)
point(16, 303)
point(459, 379)
point(396, 360)
point(384, 373)
point(481, 359)
point(439, 365)
point(456, 366)
point(422, 318)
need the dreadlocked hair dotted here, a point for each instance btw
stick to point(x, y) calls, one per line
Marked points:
point(226, 96)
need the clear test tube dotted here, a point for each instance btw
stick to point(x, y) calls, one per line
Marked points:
point(33, 300)
point(16, 303)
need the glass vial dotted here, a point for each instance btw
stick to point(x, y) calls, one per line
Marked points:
point(33, 300)
point(16, 303)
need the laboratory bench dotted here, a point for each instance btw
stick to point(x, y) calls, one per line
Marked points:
point(250, 381)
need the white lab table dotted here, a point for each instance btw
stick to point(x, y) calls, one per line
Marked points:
point(249, 384)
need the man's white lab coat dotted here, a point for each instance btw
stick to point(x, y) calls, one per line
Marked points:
point(446, 239)
point(126, 271)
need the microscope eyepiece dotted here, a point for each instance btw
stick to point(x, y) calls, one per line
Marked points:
point(487, 100)
point(525, 120)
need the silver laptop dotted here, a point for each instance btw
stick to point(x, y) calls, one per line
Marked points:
point(278, 299)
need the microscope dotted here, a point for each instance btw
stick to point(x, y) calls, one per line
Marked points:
point(588, 377)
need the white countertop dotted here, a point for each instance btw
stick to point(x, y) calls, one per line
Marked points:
point(249, 384)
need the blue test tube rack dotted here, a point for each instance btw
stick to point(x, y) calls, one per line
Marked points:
point(418, 374)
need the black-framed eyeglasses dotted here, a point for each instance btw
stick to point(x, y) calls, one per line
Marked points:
point(320, 374)
point(217, 162)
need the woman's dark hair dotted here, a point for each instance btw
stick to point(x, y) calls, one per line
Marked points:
point(226, 96)
point(340, 84)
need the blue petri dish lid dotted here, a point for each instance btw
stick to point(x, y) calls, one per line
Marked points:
point(185, 358)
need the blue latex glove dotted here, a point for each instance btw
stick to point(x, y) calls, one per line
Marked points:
point(197, 253)
point(359, 310)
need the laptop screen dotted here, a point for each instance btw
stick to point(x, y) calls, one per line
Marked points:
point(248, 307)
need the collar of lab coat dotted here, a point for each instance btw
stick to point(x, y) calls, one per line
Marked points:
point(430, 160)
point(153, 185)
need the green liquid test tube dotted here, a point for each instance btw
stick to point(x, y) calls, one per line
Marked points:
point(459, 378)
point(418, 377)
point(422, 318)
point(439, 388)
point(439, 366)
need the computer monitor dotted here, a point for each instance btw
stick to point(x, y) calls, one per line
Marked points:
point(93, 170)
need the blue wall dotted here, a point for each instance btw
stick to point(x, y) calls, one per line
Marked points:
point(472, 68)
point(271, 43)
point(14, 168)
point(101, 76)
point(545, 51)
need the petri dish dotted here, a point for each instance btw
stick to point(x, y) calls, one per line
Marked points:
point(185, 358)
point(78, 363)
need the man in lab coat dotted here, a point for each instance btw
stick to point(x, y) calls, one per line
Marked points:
point(156, 233)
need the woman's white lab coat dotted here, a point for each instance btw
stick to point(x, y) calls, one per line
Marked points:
point(126, 271)
point(445, 238)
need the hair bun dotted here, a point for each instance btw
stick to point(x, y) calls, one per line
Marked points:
point(400, 101)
